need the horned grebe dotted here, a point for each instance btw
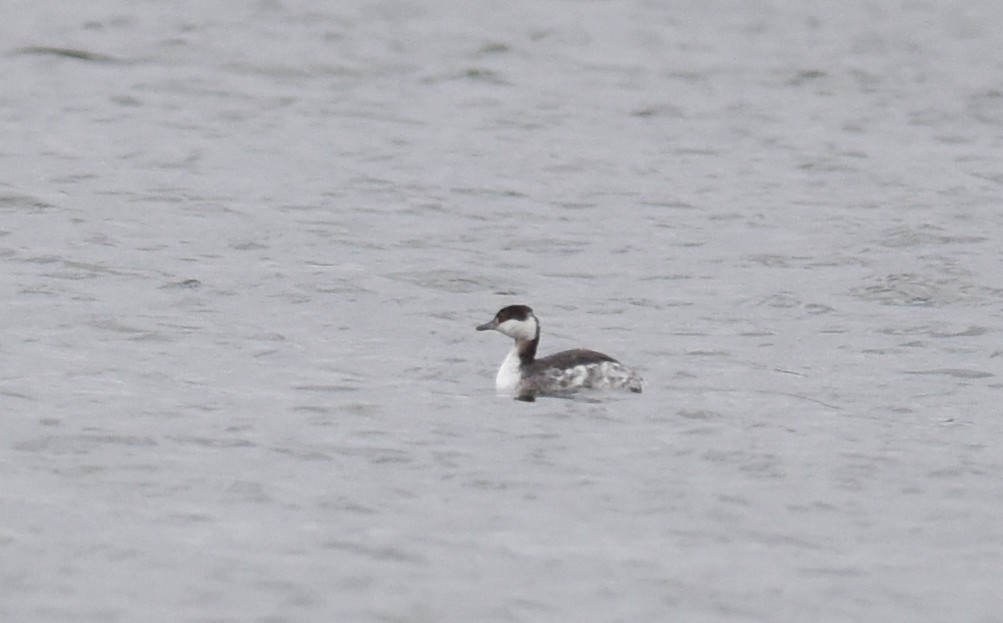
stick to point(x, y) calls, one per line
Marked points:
point(526, 377)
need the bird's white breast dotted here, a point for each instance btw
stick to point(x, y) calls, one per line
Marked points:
point(509, 374)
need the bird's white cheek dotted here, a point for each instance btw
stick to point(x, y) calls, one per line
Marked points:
point(519, 329)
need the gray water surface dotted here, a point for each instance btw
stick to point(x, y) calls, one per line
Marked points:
point(243, 248)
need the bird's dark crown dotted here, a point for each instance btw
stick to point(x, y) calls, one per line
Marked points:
point(513, 312)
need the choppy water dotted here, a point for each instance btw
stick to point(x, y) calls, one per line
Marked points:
point(243, 247)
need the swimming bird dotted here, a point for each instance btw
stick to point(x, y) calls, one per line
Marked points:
point(524, 376)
